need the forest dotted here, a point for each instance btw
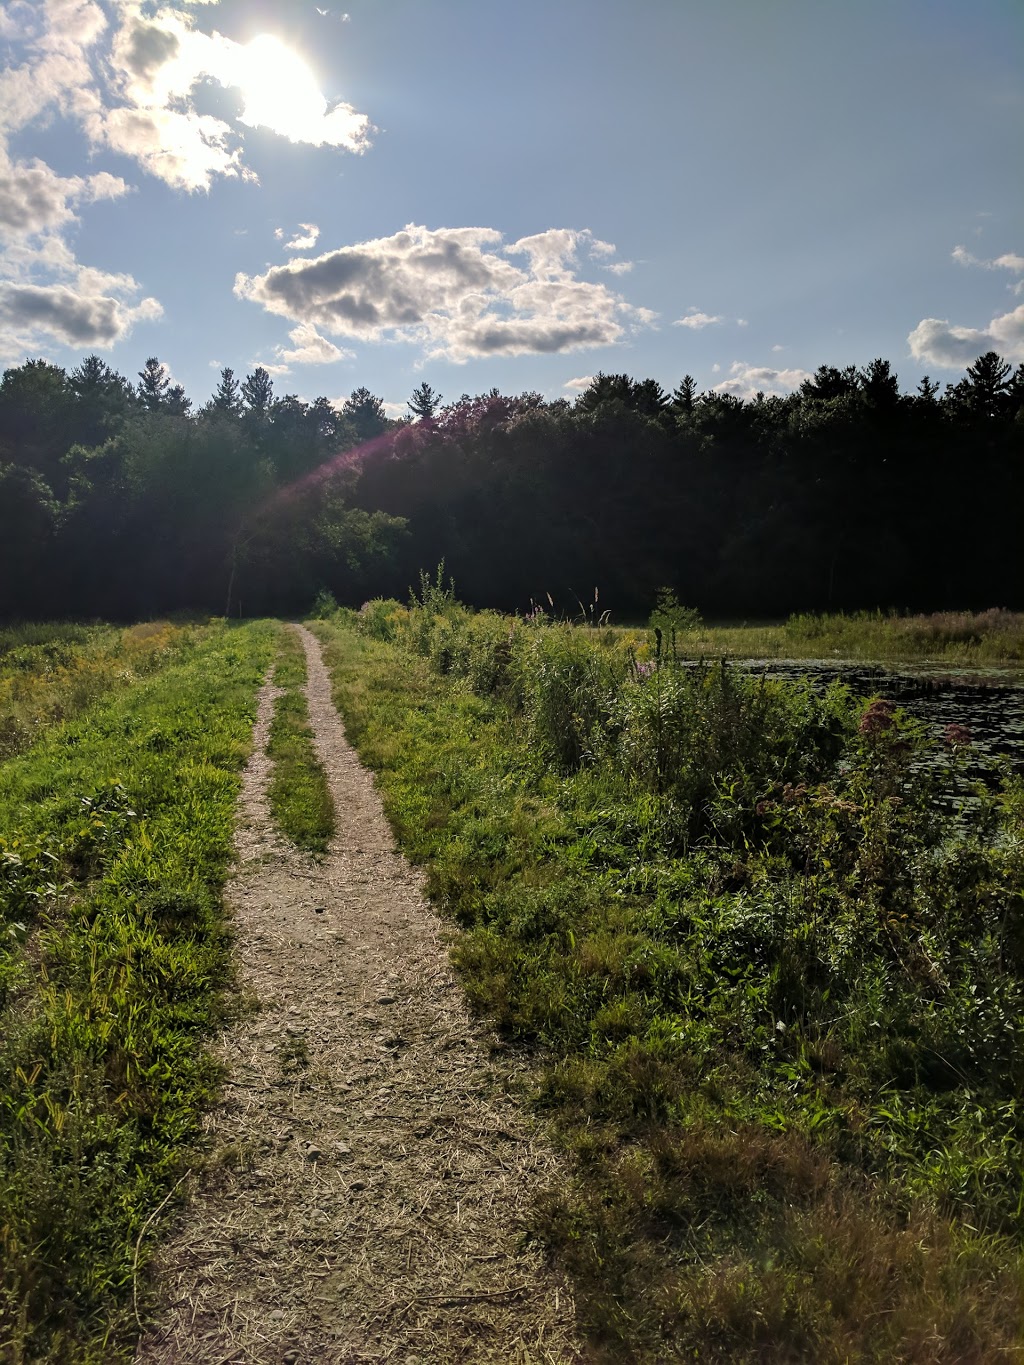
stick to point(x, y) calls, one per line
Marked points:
point(125, 500)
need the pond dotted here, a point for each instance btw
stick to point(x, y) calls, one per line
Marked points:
point(989, 702)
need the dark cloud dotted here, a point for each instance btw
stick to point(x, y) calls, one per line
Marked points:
point(75, 320)
point(452, 290)
point(73, 317)
point(148, 48)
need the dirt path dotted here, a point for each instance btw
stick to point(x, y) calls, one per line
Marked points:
point(368, 1176)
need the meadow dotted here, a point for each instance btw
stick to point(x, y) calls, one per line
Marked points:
point(772, 985)
point(115, 838)
point(959, 639)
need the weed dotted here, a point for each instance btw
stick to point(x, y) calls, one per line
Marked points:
point(114, 852)
point(777, 984)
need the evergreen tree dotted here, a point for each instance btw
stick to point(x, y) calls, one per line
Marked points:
point(258, 393)
point(176, 403)
point(879, 386)
point(227, 396)
point(103, 399)
point(983, 390)
point(424, 402)
point(154, 384)
point(366, 413)
point(684, 397)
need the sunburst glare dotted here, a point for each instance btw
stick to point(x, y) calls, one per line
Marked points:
point(282, 93)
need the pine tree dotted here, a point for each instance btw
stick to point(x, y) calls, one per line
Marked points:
point(176, 402)
point(258, 393)
point(154, 385)
point(684, 397)
point(227, 396)
point(424, 402)
point(366, 413)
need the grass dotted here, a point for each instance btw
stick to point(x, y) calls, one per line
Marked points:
point(962, 638)
point(776, 989)
point(300, 798)
point(116, 841)
point(53, 671)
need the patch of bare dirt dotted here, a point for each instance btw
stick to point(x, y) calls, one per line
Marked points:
point(368, 1173)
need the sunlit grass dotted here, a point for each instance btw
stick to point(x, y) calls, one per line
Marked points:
point(776, 989)
point(117, 831)
point(52, 671)
point(300, 798)
point(961, 638)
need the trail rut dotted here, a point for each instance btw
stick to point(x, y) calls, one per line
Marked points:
point(368, 1174)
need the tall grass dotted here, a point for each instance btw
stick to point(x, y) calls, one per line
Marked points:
point(778, 985)
point(52, 671)
point(299, 794)
point(113, 960)
point(962, 638)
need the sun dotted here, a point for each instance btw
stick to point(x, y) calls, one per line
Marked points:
point(280, 91)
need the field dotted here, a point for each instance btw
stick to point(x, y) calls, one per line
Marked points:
point(775, 985)
point(770, 987)
point(116, 828)
point(962, 639)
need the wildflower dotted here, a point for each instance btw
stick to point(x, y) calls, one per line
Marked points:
point(956, 735)
point(645, 668)
point(877, 718)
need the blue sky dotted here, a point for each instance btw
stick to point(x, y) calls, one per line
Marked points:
point(477, 194)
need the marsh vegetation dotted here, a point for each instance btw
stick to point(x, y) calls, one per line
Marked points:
point(775, 985)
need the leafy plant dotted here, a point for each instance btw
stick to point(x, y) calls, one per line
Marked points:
point(772, 982)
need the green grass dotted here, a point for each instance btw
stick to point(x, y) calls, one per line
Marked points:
point(775, 989)
point(300, 798)
point(53, 671)
point(117, 831)
point(961, 638)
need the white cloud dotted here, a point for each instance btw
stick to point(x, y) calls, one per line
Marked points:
point(304, 240)
point(186, 150)
point(1010, 260)
point(746, 381)
point(777, 347)
point(56, 69)
point(695, 320)
point(15, 16)
point(46, 294)
point(619, 267)
point(310, 348)
point(453, 291)
point(33, 197)
point(936, 341)
point(89, 310)
point(584, 381)
point(135, 95)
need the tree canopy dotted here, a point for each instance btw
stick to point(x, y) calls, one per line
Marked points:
point(125, 500)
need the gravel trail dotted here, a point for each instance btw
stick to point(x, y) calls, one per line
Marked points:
point(367, 1175)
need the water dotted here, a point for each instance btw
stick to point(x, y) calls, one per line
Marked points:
point(988, 701)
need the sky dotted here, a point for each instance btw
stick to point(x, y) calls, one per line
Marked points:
point(476, 194)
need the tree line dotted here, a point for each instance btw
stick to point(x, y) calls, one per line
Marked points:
point(122, 499)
